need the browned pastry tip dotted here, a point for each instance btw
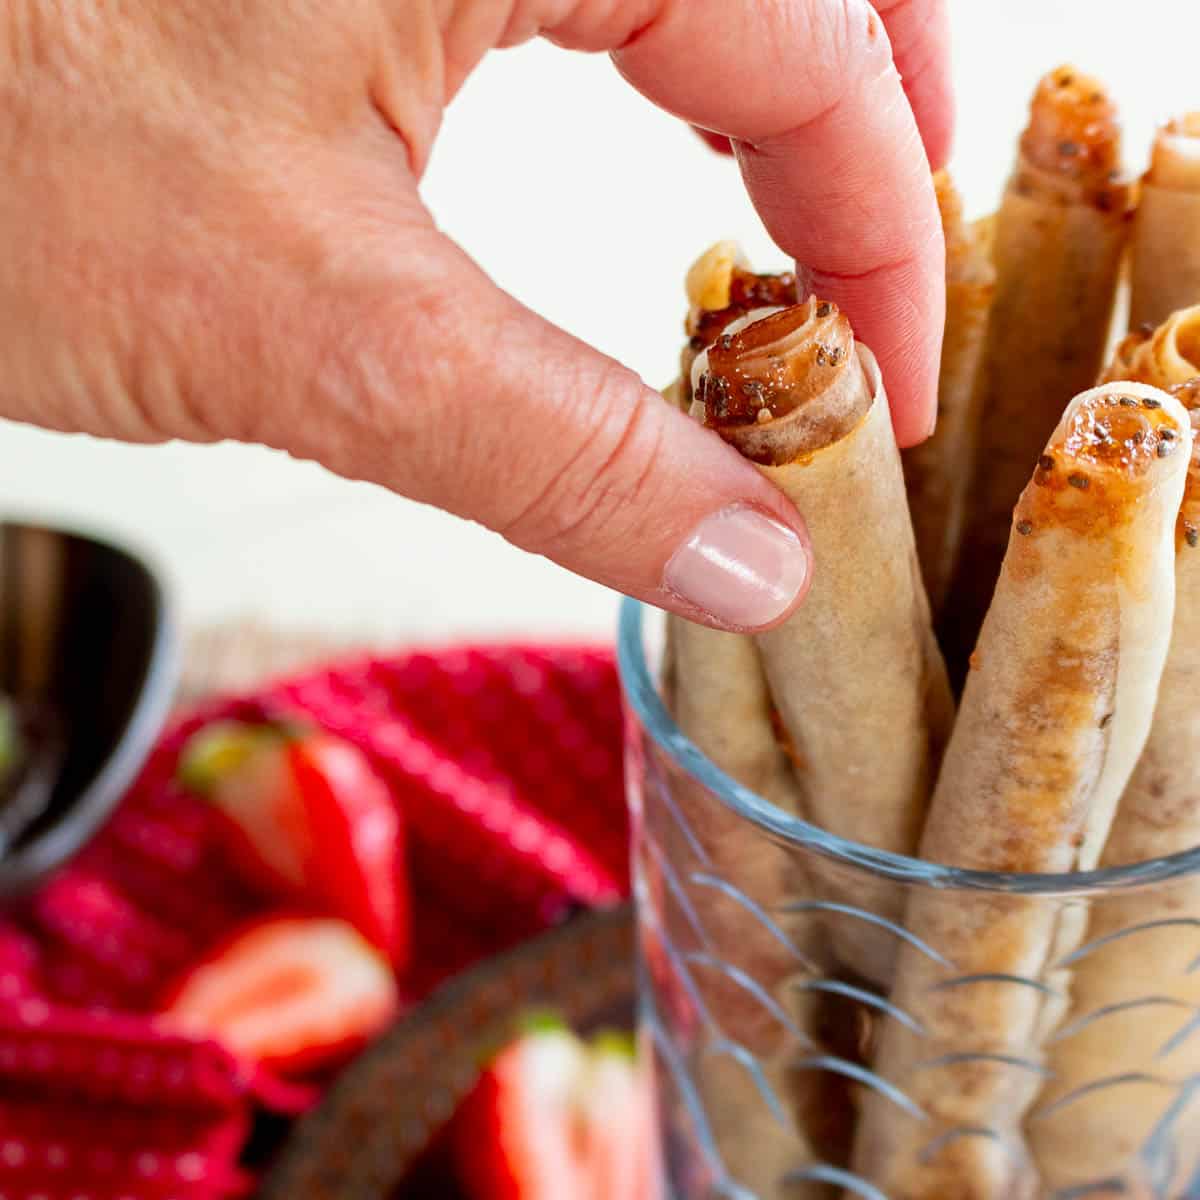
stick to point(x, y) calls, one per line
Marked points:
point(1073, 128)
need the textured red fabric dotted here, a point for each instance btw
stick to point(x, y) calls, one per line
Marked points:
point(506, 762)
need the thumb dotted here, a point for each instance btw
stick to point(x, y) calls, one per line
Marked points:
point(445, 389)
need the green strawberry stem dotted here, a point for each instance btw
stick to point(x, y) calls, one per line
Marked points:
point(618, 1043)
point(536, 1021)
point(217, 750)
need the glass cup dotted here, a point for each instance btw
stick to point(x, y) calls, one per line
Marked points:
point(828, 1020)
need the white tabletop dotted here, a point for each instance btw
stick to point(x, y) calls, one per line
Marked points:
point(576, 169)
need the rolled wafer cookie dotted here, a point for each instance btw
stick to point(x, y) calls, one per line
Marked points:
point(1054, 716)
point(718, 695)
point(937, 473)
point(1060, 233)
point(1165, 264)
point(715, 688)
point(1122, 1059)
point(855, 673)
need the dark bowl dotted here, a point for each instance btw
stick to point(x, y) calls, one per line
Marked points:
point(89, 659)
point(376, 1135)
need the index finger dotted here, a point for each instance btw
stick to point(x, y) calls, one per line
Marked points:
point(919, 31)
point(809, 94)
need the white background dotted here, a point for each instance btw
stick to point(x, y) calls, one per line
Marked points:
point(569, 189)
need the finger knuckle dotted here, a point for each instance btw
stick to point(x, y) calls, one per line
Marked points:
point(600, 492)
point(367, 358)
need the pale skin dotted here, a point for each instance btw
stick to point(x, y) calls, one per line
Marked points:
point(210, 228)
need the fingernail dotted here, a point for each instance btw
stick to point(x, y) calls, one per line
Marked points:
point(740, 567)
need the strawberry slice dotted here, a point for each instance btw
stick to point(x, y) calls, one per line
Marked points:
point(291, 993)
point(555, 1119)
point(618, 1111)
point(356, 836)
point(309, 819)
point(516, 1135)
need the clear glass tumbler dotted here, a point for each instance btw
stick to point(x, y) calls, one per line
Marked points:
point(831, 1020)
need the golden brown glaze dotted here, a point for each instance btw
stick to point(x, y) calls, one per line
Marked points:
point(740, 294)
point(774, 365)
point(1087, 481)
point(1122, 434)
point(1073, 135)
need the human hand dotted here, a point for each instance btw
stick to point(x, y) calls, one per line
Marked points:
point(210, 228)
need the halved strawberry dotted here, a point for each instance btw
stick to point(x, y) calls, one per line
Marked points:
point(293, 993)
point(555, 1119)
point(309, 819)
point(517, 1136)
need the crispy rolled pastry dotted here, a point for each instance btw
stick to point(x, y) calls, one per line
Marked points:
point(1133, 1036)
point(1166, 235)
point(855, 674)
point(719, 698)
point(717, 690)
point(1059, 237)
point(1162, 357)
point(937, 472)
point(1055, 713)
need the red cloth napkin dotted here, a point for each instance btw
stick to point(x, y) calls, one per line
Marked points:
point(506, 761)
